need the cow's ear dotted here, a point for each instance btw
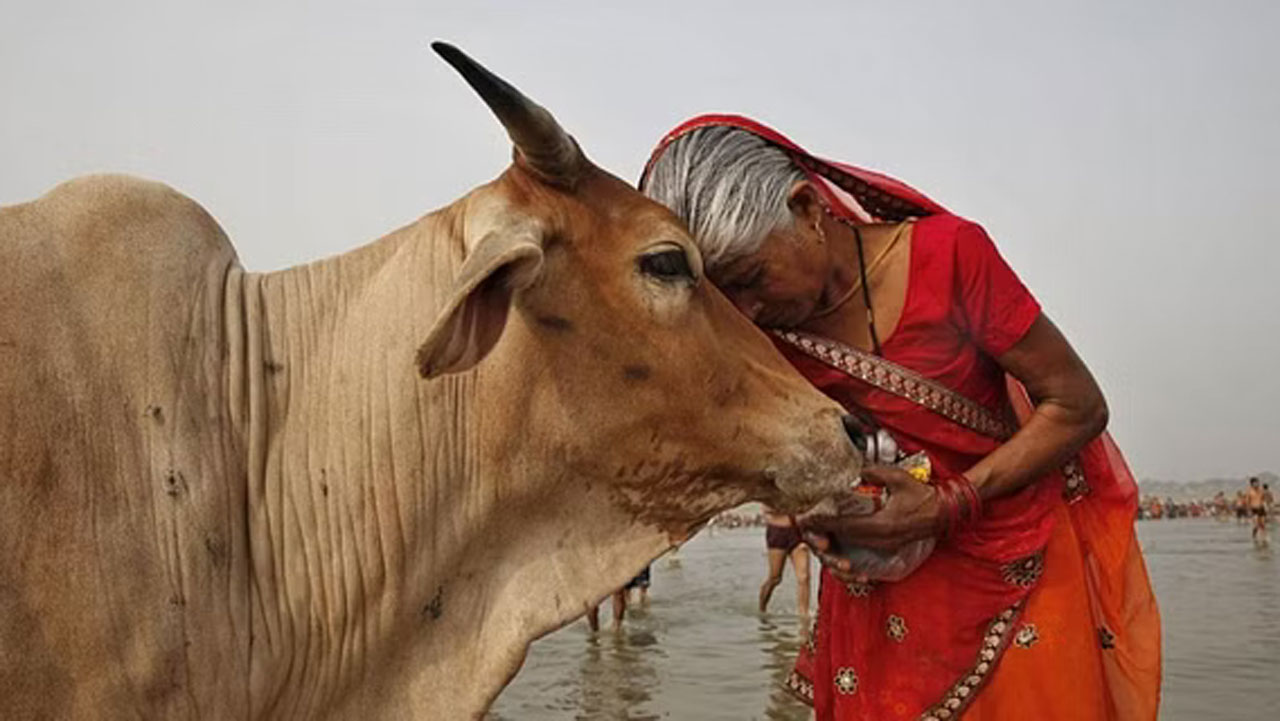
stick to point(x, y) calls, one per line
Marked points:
point(475, 311)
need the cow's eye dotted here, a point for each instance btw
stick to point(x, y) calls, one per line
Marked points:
point(667, 265)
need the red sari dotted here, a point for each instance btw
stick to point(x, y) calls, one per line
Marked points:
point(1043, 608)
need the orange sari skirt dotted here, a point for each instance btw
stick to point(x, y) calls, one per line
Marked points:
point(1088, 646)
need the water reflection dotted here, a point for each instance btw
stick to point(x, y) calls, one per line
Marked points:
point(617, 677)
point(780, 643)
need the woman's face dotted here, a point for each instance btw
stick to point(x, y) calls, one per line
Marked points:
point(780, 285)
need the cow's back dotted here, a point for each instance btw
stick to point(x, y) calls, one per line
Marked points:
point(122, 542)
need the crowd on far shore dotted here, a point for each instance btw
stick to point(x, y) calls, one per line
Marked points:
point(1150, 508)
point(1220, 506)
point(1155, 508)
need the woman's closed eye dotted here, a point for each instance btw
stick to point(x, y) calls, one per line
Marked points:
point(746, 281)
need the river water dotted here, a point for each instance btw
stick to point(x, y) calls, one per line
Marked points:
point(700, 651)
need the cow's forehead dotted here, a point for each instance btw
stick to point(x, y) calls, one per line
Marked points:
point(630, 212)
point(602, 207)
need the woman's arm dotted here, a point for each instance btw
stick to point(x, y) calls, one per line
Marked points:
point(1069, 411)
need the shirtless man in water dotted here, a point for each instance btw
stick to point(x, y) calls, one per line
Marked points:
point(1257, 502)
point(782, 539)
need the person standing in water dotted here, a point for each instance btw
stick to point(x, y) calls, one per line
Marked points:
point(640, 581)
point(1256, 499)
point(782, 540)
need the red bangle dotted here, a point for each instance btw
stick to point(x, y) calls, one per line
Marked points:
point(961, 504)
point(950, 507)
point(975, 500)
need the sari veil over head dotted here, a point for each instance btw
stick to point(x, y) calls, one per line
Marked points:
point(1043, 608)
point(850, 192)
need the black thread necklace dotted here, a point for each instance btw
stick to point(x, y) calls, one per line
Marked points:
point(866, 289)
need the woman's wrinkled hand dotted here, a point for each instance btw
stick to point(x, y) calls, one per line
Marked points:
point(841, 568)
point(911, 512)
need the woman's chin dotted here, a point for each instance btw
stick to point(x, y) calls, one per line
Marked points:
point(781, 321)
point(790, 317)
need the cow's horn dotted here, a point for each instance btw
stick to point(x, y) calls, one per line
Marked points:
point(546, 148)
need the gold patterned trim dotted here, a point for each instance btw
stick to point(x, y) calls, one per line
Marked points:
point(1024, 572)
point(800, 687)
point(906, 383)
point(900, 381)
point(896, 628)
point(1076, 486)
point(846, 681)
point(1027, 637)
point(860, 589)
point(875, 201)
point(965, 690)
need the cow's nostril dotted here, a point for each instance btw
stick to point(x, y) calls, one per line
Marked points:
point(857, 430)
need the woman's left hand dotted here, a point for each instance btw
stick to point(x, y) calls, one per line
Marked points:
point(912, 511)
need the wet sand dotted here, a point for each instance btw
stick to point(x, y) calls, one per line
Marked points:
point(700, 650)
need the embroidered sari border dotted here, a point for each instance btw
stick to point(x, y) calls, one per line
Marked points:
point(994, 643)
point(900, 381)
point(799, 687)
point(996, 639)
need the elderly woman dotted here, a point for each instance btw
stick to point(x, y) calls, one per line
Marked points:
point(1035, 602)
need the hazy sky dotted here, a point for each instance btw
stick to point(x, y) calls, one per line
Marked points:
point(1120, 153)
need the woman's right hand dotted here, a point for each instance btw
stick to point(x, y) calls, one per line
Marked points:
point(840, 567)
point(911, 515)
point(912, 511)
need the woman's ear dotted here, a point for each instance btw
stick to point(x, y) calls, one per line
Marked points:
point(805, 204)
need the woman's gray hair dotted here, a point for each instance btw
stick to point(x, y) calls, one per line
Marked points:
point(728, 185)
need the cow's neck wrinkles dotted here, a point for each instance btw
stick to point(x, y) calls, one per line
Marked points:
point(393, 521)
point(349, 455)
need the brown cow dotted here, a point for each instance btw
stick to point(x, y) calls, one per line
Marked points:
point(361, 487)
